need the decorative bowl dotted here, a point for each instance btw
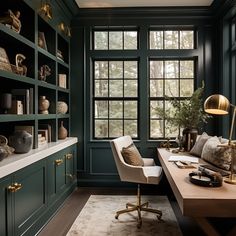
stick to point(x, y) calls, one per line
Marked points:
point(62, 107)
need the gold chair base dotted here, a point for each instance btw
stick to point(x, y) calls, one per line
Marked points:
point(139, 207)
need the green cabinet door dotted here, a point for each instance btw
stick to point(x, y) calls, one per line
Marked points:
point(56, 179)
point(29, 199)
point(70, 158)
point(5, 208)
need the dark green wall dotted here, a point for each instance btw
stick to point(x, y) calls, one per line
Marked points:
point(96, 165)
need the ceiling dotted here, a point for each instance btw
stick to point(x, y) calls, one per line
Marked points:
point(141, 3)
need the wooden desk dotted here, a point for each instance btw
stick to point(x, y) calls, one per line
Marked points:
point(196, 201)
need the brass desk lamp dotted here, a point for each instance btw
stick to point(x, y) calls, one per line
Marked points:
point(218, 104)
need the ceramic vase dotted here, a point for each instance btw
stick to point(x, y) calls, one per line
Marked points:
point(62, 107)
point(62, 131)
point(43, 105)
point(6, 102)
point(189, 138)
point(21, 141)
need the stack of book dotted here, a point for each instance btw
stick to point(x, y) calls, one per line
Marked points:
point(62, 80)
point(59, 55)
point(22, 101)
point(44, 134)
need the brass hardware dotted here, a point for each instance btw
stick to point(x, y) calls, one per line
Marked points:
point(70, 176)
point(14, 188)
point(69, 156)
point(46, 9)
point(11, 188)
point(58, 162)
point(64, 29)
point(17, 186)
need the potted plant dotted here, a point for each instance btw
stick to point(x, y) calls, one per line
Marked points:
point(188, 114)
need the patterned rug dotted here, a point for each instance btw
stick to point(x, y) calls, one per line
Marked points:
point(97, 218)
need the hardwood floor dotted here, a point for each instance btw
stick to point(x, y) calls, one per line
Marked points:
point(64, 218)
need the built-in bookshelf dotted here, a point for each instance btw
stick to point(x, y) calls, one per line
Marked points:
point(34, 63)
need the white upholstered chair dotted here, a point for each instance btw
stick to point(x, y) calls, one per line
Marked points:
point(147, 174)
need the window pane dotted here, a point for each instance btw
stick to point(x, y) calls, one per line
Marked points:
point(186, 87)
point(100, 40)
point(156, 88)
point(186, 39)
point(130, 39)
point(171, 39)
point(116, 88)
point(171, 131)
point(115, 40)
point(115, 69)
point(130, 69)
point(131, 128)
point(101, 69)
point(156, 69)
point(156, 129)
point(172, 88)
point(171, 69)
point(101, 88)
point(101, 109)
point(186, 69)
point(156, 39)
point(130, 88)
point(115, 128)
point(170, 108)
point(156, 109)
point(116, 109)
point(130, 109)
point(101, 128)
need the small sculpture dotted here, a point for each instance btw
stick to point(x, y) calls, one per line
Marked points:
point(12, 20)
point(21, 69)
point(5, 150)
point(166, 144)
point(44, 72)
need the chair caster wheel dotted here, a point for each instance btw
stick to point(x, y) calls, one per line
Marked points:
point(116, 217)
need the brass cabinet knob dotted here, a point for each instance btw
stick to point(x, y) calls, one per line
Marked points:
point(69, 156)
point(58, 162)
point(72, 177)
point(14, 187)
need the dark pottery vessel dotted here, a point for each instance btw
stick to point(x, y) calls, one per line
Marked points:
point(21, 141)
point(189, 138)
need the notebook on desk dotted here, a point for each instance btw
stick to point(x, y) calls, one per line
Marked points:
point(184, 158)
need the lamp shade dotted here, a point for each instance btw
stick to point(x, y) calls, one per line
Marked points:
point(217, 104)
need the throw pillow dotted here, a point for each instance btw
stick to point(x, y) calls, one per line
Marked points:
point(198, 146)
point(132, 156)
point(218, 156)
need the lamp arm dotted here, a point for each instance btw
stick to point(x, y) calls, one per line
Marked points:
point(232, 124)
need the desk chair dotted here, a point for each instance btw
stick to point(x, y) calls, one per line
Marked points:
point(149, 173)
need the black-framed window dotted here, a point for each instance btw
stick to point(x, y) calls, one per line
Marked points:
point(171, 39)
point(115, 98)
point(173, 76)
point(116, 82)
point(115, 39)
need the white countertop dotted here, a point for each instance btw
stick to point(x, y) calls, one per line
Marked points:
point(16, 162)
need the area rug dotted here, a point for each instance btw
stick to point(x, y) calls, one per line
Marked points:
point(97, 218)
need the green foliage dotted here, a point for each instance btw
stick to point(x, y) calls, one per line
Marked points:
point(188, 113)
